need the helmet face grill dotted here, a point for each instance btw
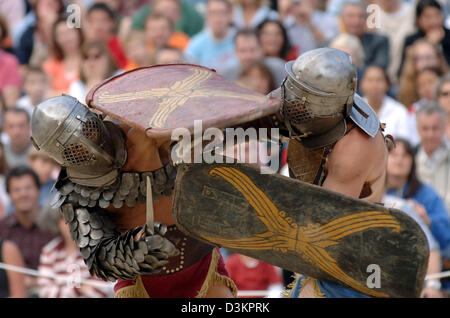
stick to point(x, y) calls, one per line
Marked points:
point(77, 155)
point(91, 130)
point(297, 111)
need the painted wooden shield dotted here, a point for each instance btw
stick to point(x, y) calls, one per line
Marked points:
point(302, 228)
point(160, 98)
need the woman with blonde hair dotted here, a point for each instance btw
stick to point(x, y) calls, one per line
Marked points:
point(420, 55)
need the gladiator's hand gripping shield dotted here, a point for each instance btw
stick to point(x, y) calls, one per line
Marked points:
point(302, 228)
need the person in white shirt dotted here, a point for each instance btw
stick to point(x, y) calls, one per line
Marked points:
point(396, 21)
point(374, 87)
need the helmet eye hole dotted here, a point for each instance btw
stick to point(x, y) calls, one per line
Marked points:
point(91, 130)
point(76, 155)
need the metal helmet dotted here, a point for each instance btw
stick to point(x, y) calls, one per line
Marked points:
point(318, 95)
point(92, 150)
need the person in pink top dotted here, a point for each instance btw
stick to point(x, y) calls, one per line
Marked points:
point(10, 79)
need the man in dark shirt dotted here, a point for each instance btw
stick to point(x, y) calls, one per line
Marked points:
point(376, 46)
point(23, 187)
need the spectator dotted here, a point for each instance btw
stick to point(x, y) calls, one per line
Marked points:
point(62, 257)
point(443, 98)
point(396, 21)
point(10, 78)
point(13, 11)
point(190, 21)
point(34, 36)
point(251, 274)
point(422, 54)
point(46, 168)
point(334, 7)
point(427, 80)
point(159, 32)
point(374, 86)
point(426, 83)
point(248, 51)
point(5, 39)
point(214, 46)
point(16, 125)
point(430, 25)
point(4, 197)
point(97, 65)
point(403, 182)
point(258, 77)
point(351, 45)
point(12, 283)
point(136, 50)
point(376, 46)
point(250, 13)
point(64, 64)
point(307, 27)
point(433, 156)
point(275, 42)
point(432, 286)
point(22, 185)
point(168, 55)
point(101, 22)
point(35, 87)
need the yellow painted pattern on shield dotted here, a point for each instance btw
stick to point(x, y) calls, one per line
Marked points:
point(288, 237)
point(176, 95)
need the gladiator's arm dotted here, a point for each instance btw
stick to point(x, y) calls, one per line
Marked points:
point(107, 253)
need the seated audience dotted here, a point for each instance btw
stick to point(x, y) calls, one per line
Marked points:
point(376, 46)
point(374, 86)
point(214, 46)
point(250, 13)
point(433, 155)
point(248, 51)
point(97, 65)
point(309, 28)
point(35, 88)
point(61, 256)
point(12, 283)
point(21, 227)
point(100, 25)
point(63, 66)
point(16, 126)
point(402, 181)
point(275, 42)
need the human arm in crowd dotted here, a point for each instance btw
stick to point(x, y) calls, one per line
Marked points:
point(432, 286)
point(16, 281)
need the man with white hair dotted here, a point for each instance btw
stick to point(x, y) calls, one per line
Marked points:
point(433, 156)
point(308, 27)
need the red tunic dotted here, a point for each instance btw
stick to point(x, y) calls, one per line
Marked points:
point(186, 283)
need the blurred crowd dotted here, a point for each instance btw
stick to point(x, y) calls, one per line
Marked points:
point(51, 47)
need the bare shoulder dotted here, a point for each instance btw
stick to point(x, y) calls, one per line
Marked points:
point(358, 154)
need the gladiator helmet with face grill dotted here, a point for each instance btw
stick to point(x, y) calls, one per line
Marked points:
point(92, 150)
point(318, 94)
